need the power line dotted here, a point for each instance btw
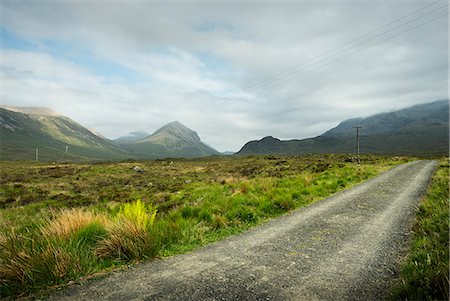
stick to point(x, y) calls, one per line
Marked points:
point(281, 80)
point(351, 41)
point(296, 76)
point(349, 54)
point(290, 74)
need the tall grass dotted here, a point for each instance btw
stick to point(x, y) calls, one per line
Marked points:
point(425, 274)
point(73, 243)
point(129, 235)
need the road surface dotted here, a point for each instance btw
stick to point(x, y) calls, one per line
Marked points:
point(346, 247)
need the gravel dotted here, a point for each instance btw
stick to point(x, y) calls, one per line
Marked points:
point(346, 247)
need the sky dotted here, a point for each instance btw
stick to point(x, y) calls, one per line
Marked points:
point(233, 71)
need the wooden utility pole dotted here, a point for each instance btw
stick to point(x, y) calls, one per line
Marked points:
point(357, 142)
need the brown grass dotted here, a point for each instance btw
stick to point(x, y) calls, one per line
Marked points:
point(16, 269)
point(69, 221)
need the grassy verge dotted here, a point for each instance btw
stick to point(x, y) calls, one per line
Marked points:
point(425, 274)
point(73, 224)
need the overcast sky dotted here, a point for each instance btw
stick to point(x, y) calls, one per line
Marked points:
point(233, 71)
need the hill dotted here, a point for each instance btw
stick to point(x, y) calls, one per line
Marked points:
point(418, 130)
point(22, 130)
point(424, 115)
point(173, 140)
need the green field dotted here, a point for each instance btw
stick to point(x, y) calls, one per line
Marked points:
point(63, 223)
point(425, 273)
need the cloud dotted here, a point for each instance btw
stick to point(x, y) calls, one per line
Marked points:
point(232, 71)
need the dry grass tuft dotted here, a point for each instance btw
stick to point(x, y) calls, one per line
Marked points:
point(15, 269)
point(59, 259)
point(68, 222)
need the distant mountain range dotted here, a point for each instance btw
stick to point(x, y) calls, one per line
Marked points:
point(173, 140)
point(418, 130)
point(23, 130)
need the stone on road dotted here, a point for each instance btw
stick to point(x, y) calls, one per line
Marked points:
point(346, 247)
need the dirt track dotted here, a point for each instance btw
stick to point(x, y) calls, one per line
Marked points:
point(345, 247)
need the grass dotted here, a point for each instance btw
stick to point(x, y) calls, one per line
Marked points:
point(59, 223)
point(425, 274)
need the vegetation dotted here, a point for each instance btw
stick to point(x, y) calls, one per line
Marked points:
point(425, 274)
point(59, 223)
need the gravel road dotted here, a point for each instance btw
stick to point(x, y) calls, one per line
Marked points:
point(346, 247)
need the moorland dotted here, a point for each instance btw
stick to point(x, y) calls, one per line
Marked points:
point(66, 222)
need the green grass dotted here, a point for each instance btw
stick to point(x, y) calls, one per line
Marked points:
point(80, 219)
point(425, 274)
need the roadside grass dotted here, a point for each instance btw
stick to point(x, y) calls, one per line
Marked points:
point(174, 207)
point(425, 274)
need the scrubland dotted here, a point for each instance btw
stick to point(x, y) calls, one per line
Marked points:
point(64, 223)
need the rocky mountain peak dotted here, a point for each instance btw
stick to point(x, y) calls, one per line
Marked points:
point(176, 130)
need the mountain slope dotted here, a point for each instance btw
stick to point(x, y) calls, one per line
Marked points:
point(429, 114)
point(21, 134)
point(418, 130)
point(172, 140)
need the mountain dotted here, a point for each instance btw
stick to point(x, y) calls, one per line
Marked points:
point(132, 137)
point(25, 129)
point(22, 130)
point(172, 140)
point(428, 115)
point(418, 130)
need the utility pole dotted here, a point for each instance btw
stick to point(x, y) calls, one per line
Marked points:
point(357, 142)
point(37, 154)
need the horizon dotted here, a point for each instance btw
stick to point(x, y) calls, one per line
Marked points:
point(151, 132)
point(291, 70)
